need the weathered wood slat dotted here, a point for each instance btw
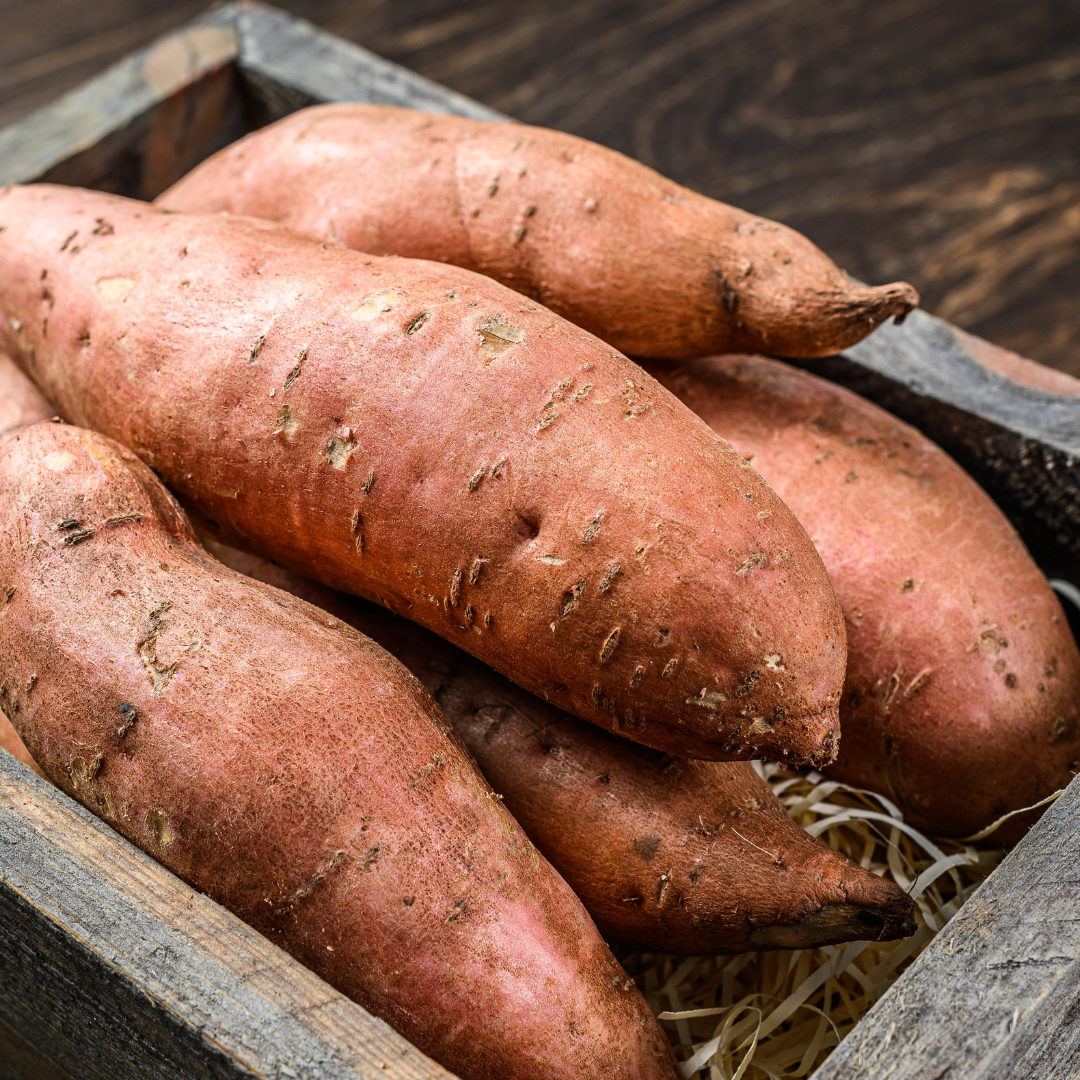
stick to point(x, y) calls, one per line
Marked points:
point(292, 63)
point(113, 131)
point(112, 968)
point(996, 995)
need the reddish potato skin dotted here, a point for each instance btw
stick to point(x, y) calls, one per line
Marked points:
point(666, 854)
point(649, 266)
point(20, 400)
point(20, 403)
point(286, 765)
point(962, 699)
point(533, 497)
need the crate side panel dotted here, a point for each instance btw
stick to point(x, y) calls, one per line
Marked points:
point(312, 66)
point(117, 101)
point(20, 1061)
point(986, 989)
point(153, 151)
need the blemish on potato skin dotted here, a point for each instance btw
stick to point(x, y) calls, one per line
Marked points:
point(918, 683)
point(646, 847)
point(608, 578)
point(128, 716)
point(287, 425)
point(708, 699)
point(338, 451)
point(455, 587)
point(610, 645)
point(1060, 729)
point(496, 336)
point(78, 537)
point(890, 691)
point(294, 374)
point(754, 561)
point(157, 824)
point(593, 528)
point(570, 598)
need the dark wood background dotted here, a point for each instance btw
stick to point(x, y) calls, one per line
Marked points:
point(932, 140)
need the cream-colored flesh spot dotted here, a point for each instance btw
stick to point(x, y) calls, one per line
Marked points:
point(375, 304)
point(115, 288)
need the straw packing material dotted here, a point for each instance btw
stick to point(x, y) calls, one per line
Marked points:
point(779, 1014)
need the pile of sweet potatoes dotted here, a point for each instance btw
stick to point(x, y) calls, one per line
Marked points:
point(391, 422)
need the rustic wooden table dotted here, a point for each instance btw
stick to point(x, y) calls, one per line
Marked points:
point(937, 142)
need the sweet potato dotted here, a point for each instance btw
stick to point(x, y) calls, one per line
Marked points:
point(649, 266)
point(423, 436)
point(279, 761)
point(20, 400)
point(962, 699)
point(667, 854)
point(20, 403)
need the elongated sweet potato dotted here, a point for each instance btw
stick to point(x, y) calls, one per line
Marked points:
point(649, 266)
point(20, 400)
point(668, 854)
point(422, 436)
point(287, 766)
point(962, 699)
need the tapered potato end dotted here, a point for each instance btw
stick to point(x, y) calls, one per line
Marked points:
point(884, 917)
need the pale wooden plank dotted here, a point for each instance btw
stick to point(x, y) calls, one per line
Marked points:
point(111, 967)
point(996, 994)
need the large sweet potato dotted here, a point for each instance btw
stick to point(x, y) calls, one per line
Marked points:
point(422, 436)
point(962, 699)
point(653, 268)
point(279, 761)
point(668, 854)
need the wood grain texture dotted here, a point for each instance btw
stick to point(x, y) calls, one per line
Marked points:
point(141, 124)
point(997, 993)
point(112, 968)
point(316, 66)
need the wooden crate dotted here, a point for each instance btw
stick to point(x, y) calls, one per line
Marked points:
point(112, 967)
